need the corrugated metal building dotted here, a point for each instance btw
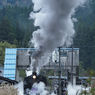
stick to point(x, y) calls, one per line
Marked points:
point(10, 63)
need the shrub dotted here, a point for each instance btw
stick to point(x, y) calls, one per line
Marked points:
point(6, 89)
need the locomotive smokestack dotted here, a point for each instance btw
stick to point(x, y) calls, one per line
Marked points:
point(34, 70)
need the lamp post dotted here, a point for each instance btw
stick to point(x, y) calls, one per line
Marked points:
point(59, 74)
point(72, 67)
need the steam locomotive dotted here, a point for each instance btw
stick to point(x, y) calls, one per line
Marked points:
point(30, 80)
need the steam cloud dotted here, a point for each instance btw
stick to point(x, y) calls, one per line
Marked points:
point(40, 89)
point(56, 26)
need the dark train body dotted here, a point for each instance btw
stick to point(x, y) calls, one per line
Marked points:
point(29, 81)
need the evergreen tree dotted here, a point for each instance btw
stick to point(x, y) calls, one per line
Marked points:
point(6, 31)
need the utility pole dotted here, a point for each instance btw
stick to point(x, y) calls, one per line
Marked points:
point(59, 74)
point(72, 67)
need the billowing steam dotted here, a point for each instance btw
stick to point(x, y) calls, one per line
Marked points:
point(77, 89)
point(39, 88)
point(56, 26)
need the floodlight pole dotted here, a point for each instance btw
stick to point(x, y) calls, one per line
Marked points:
point(59, 74)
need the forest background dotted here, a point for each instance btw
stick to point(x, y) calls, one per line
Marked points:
point(16, 29)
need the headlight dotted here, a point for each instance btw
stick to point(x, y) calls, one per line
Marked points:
point(34, 77)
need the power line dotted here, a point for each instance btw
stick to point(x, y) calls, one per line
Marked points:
point(83, 46)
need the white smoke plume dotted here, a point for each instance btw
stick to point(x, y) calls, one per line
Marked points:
point(56, 28)
point(40, 88)
point(76, 89)
point(19, 86)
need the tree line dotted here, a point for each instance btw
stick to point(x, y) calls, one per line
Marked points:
point(15, 25)
point(16, 28)
point(85, 35)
